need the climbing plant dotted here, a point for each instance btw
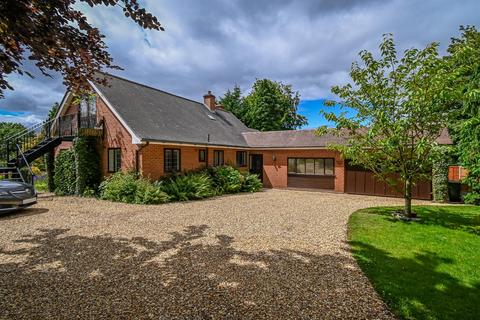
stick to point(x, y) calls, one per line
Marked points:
point(440, 174)
point(50, 169)
point(87, 165)
point(65, 173)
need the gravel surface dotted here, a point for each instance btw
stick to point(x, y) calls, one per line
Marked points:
point(278, 254)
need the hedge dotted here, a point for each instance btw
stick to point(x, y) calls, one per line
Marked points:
point(65, 173)
point(193, 185)
point(87, 164)
point(77, 170)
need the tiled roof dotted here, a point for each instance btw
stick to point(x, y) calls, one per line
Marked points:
point(155, 115)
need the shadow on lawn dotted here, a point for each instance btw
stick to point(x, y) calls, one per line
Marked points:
point(415, 287)
point(58, 275)
point(455, 218)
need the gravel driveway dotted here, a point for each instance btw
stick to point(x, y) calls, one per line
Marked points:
point(277, 254)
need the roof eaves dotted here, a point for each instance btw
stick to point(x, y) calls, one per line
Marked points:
point(164, 141)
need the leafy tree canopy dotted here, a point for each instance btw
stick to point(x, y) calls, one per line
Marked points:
point(58, 37)
point(270, 106)
point(401, 111)
point(9, 129)
point(464, 61)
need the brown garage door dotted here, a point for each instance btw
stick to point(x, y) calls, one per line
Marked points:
point(311, 181)
point(363, 182)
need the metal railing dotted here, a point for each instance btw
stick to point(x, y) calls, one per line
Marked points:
point(13, 148)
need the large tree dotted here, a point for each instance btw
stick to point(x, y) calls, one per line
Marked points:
point(464, 61)
point(270, 105)
point(401, 110)
point(234, 102)
point(56, 36)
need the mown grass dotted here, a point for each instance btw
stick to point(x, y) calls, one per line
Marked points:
point(423, 270)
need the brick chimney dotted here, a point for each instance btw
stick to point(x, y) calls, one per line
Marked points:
point(209, 101)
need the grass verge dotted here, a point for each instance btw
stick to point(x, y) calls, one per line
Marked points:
point(423, 270)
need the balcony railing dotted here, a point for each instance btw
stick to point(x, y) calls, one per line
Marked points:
point(67, 126)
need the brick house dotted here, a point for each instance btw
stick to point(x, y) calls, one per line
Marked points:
point(155, 133)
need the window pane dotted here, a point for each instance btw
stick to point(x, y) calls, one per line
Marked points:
point(92, 105)
point(300, 165)
point(309, 166)
point(176, 160)
point(83, 105)
point(292, 165)
point(201, 155)
point(328, 166)
point(218, 158)
point(241, 158)
point(168, 159)
point(111, 160)
point(118, 159)
point(319, 165)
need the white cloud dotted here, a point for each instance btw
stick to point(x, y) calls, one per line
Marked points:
point(211, 45)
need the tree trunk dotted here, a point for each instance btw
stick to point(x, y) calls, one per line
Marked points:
point(408, 199)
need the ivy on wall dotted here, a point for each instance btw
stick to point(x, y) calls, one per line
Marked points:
point(440, 175)
point(65, 173)
point(77, 170)
point(50, 169)
point(87, 163)
point(468, 149)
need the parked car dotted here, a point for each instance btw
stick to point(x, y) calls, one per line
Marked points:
point(16, 195)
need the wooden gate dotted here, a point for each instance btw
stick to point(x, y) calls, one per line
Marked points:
point(360, 181)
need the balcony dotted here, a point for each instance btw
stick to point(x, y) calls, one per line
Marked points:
point(72, 125)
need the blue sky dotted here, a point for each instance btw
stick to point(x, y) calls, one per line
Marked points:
point(215, 44)
point(311, 110)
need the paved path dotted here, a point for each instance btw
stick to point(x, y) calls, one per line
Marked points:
point(278, 254)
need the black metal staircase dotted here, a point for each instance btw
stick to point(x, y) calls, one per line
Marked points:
point(19, 150)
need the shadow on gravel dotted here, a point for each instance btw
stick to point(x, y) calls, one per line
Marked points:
point(60, 275)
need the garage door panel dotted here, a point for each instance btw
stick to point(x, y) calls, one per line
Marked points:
point(360, 182)
point(311, 182)
point(350, 182)
point(364, 182)
point(369, 183)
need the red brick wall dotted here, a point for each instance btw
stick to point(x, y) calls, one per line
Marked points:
point(456, 173)
point(275, 172)
point(115, 136)
point(151, 158)
point(64, 145)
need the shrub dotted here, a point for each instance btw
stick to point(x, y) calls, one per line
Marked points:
point(189, 186)
point(49, 159)
point(41, 184)
point(472, 198)
point(65, 177)
point(227, 179)
point(251, 183)
point(440, 174)
point(87, 164)
point(130, 188)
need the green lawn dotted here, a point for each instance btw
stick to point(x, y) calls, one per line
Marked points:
point(423, 270)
